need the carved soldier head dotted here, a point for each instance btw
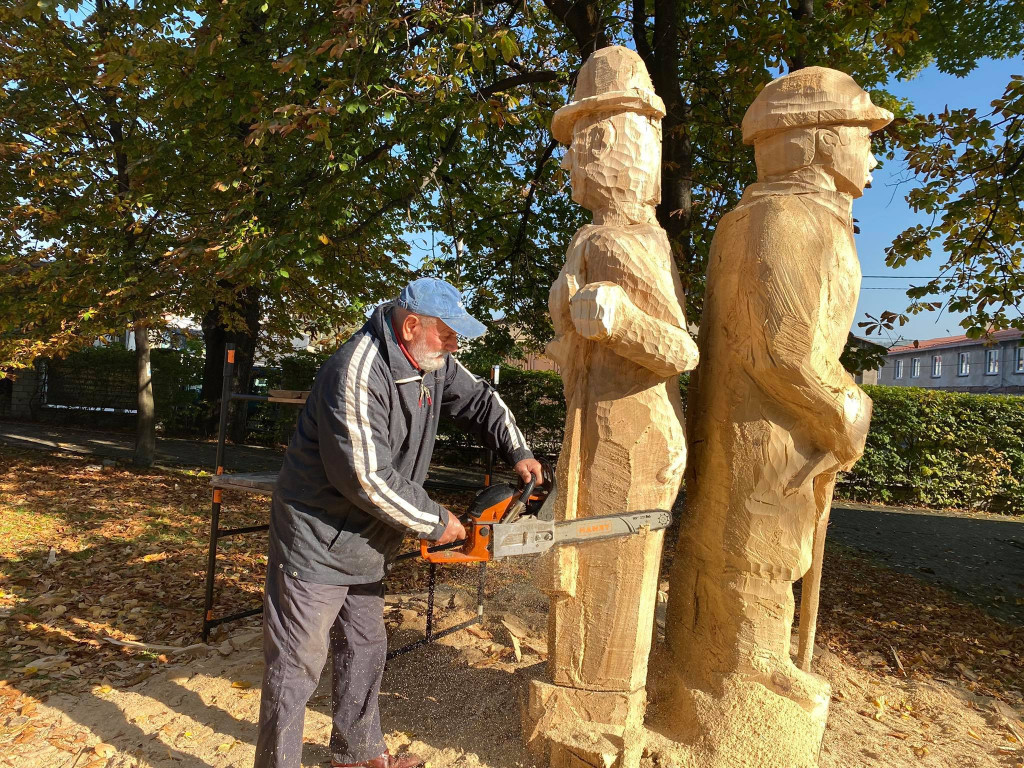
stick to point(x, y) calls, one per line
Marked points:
point(814, 118)
point(613, 129)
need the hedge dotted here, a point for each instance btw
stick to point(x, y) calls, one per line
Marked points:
point(942, 449)
point(94, 379)
point(925, 447)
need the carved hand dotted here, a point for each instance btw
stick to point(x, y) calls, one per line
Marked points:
point(561, 294)
point(599, 310)
point(558, 303)
point(857, 413)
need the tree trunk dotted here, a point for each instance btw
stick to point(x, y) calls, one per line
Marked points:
point(803, 13)
point(661, 55)
point(216, 336)
point(583, 20)
point(245, 358)
point(214, 339)
point(145, 434)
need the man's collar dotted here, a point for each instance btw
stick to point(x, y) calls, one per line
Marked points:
point(380, 325)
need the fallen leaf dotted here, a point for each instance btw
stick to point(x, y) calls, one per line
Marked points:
point(241, 684)
point(516, 649)
point(106, 751)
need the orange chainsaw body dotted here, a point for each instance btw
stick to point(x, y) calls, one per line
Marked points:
point(491, 506)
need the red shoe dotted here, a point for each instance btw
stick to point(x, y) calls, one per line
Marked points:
point(387, 760)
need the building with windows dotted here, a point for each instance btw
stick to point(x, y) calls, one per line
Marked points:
point(959, 364)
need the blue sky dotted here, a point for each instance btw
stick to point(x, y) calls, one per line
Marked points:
point(883, 213)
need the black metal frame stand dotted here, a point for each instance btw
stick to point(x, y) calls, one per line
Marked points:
point(217, 533)
point(429, 636)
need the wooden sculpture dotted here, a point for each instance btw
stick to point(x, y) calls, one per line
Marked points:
point(772, 417)
point(621, 341)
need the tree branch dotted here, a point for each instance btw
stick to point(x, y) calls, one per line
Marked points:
point(407, 198)
point(514, 80)
point(643, 47)
point(524, 217)
point(583, 19)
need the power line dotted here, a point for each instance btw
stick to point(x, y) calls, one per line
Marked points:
point(904, 277)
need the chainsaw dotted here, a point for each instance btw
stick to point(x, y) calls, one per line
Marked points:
point(507, 520)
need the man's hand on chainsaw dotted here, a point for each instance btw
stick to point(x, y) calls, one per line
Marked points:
point(453, 531)
point(528, 469)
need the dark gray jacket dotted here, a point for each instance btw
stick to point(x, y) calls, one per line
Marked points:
point(351, 485)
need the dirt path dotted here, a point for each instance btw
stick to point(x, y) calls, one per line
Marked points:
point(979, 556)
point(190, 454)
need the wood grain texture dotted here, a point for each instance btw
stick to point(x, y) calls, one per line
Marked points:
point(621, 341)
point(772, 417)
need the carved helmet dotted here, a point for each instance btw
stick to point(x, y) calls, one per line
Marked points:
point(811, 97)
point(613, 79)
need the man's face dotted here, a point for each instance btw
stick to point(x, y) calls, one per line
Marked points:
point(852, 160)
point(429, 341)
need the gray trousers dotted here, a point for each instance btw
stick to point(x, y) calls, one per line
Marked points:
point(300, 619)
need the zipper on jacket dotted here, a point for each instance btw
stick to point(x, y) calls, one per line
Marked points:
point(424, 390)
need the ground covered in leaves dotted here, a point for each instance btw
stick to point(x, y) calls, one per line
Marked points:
point(101, 596)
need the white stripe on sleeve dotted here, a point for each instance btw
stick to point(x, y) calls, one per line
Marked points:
point(518, 441)
point(364, 453)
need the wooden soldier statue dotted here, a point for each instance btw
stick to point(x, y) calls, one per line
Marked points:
point(772, 416)
point(621, 341)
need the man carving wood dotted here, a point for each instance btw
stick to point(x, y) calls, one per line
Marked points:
point(621, 341)
point(772, 417)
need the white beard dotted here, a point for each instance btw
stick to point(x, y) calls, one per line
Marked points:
point(428, 361)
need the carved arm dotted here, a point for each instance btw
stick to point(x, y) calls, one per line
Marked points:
point(602, 312)
point(784, 311)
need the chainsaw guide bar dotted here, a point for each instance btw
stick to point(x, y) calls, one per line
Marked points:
point(530, 536)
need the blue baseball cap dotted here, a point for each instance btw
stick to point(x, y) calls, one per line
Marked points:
point(436, 298)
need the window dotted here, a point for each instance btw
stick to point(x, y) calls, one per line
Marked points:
point(963, 364)
point(915, 367)
point(936, 366)
point(991, 362)
point(1020, 360)
point(897, 371)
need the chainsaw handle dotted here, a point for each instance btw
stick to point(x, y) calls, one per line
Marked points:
point(528, 491)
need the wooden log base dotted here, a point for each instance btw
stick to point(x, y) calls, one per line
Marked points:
point(575, 728)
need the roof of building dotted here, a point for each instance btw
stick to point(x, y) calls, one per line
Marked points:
point(865, 343)
point(955, 341)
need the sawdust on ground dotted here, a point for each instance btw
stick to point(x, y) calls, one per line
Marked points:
point(457, 703)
